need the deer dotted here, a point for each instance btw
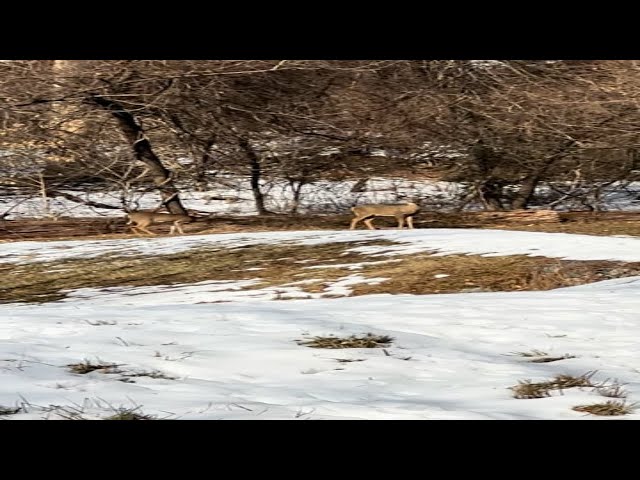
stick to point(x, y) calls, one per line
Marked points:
point(402, 212)
point(139, 221)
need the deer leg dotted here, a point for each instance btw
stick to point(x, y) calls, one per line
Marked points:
point(410, 222)
point(137, 229)
point(178, 227)
point(354, 223)
point(369, 224)
point(400, 222)
point(132, 226)
point(144, 229)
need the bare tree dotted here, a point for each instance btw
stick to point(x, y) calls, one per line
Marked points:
point(504, 128)
point(525, 122)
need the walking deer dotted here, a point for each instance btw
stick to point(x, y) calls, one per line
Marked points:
point(402, 212)
point(139, 221)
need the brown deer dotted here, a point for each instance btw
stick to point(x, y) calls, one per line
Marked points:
point(139, 221)
point(402, 212)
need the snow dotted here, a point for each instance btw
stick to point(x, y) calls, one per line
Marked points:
point(233, 353)
point(441, 240)
point(245, 354)
point(322, 197)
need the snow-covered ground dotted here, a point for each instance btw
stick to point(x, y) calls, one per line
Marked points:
point(444, 240)
point(232, 354)
point(320, 197)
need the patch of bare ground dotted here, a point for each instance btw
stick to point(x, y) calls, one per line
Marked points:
point(286, 264)
point(601, 223)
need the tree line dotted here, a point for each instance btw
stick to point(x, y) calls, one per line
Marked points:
point(500, 128)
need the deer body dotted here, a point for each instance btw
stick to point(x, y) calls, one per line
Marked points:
point(402, 212)
point(139, 221)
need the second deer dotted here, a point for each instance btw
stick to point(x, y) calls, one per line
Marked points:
point(139, 221)
point(402, 212)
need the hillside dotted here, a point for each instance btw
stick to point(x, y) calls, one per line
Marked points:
point(235, 348)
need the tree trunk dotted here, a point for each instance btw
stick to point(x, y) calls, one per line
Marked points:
point(525, 193)
point(490, 194)
point(143, 152)
point(296, 188)
point(203, 164)
point(360, 185)
point(530, 182)
point(63, 114)
point(256, 175)
point(488, 190)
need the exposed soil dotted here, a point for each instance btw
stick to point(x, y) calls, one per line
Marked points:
point(602, 223)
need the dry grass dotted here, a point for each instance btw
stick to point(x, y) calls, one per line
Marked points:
point(528, 389)
point(123, 413)
point(285, 265)
point(368, 341)
point(600, 226)
point(611, 389)
point(89, 409)
point(85, 367)
point(78, 413)
point(603, 223)
point(551, 359)
point(155, 374)
point(416, 274)
point(41, 282)
point(532, 353)
point(538, 356)
point(609, 408)
point(562, 382)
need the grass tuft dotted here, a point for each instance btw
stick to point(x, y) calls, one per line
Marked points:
point(528, 389)
point(85, 367)
point(538, 356)
point(123, 413)
point(609, 408)
point(532, 353)
point(368, 341)
point(612, 389)
point(156, 374)
point(402, 274)
point(551, 359)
